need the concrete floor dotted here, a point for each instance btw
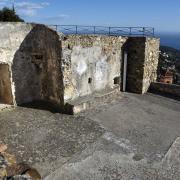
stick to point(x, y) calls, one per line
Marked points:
point(149, 122)
point(129, 138)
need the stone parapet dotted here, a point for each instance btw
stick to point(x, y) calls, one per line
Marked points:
point(166, 89)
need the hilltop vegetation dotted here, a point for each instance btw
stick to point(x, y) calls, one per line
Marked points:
point(9, 15)
point(172, 52)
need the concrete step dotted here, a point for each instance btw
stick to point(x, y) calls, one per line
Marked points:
point(91, 101)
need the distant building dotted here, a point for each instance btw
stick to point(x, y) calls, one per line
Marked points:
point(167, 77)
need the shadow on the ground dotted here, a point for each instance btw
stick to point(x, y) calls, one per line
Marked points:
point(43, 105)
point(48, 106)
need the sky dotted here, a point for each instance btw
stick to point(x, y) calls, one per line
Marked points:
point(164, 15)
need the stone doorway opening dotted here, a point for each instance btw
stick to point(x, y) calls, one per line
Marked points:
point(5, 85)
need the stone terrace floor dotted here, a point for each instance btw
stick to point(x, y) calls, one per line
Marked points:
point(128, 138)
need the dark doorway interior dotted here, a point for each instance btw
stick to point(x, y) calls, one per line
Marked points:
point(5, 85)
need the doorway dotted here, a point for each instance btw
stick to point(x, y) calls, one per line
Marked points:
point(5, 85)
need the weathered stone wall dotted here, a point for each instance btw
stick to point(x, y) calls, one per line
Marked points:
point(90, 63)
point(151, 62)
point(33, 53)
point(166, 89)
point(143, 57)
point(55, 68)
point(11, 36)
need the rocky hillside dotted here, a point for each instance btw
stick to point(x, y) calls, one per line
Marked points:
point(170, 59)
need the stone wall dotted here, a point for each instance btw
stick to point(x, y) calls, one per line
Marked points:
point(33, 53)
point(91, 63)
point(151, 62)
point(166, 89)
point(135, 48)
point(48, 66)
point(143, 57)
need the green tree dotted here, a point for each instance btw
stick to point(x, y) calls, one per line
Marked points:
point(9, 15)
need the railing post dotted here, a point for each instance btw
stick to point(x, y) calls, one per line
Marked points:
point(109, 31)
point(153, 32)
point(130, 31)
point(144, 31)
point(76, 29)
point(94, 30)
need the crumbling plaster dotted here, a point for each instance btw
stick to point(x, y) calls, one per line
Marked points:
point(90, 63)
point(11, 37)
point(33, 53)
point(100, 59)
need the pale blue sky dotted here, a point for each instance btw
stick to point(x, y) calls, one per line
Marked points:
point(164, 15)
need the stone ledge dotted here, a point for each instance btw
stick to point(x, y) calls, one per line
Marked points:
point(170, 90)
point(89, 102)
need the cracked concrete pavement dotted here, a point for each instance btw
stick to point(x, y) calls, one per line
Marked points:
point(133, 137)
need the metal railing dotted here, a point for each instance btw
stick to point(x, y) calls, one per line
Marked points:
point(103, 30)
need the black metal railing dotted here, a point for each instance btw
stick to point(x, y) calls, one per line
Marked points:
point(103, 30)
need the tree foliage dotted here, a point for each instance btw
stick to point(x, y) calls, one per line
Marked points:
point(9, 15)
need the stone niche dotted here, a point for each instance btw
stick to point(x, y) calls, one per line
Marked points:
point(33, 54)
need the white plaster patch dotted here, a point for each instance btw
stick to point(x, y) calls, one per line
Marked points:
point(91, 63)
point(101, 73)
point(81, 67)
point(79, 60)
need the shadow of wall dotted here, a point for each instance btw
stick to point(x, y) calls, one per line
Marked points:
point(36, 69)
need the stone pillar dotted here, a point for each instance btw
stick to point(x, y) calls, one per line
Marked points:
point(151, 62)
point(143, 56)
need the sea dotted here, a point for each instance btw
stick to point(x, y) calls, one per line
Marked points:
point(170, 39)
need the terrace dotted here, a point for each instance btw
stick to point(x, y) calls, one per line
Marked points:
point(128, 138)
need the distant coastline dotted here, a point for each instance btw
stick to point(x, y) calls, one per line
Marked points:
point(170, 39)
